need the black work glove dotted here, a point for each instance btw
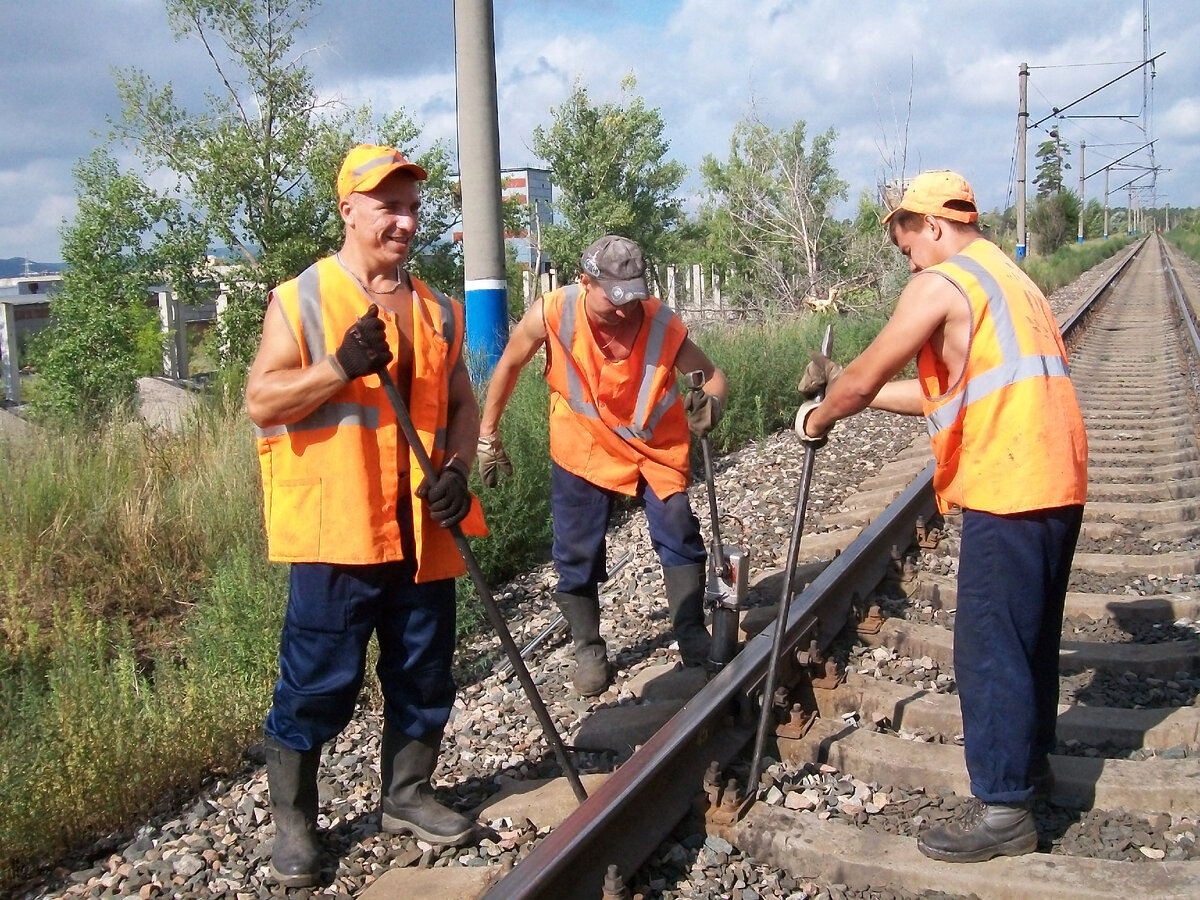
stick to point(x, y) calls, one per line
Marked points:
point(703, 412)
point(819, 375)
point(447, 496)
point(364, 349)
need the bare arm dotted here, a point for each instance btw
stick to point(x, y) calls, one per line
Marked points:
point(690, 358)
point(462, 425)
point(924, 307)
point(279, 390)
point(528, 335)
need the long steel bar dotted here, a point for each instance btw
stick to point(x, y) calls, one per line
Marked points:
point(767, 711)
point(485, 594)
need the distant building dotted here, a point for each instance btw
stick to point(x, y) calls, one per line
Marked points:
point(28, 296)
point(530, 187)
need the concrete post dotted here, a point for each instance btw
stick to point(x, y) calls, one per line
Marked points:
point(10, 363)
point(485, 287)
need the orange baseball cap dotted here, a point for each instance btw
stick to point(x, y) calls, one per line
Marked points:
point(368, 164)
point(940, 193)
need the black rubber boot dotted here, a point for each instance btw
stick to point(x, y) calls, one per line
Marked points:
point(985, 831)
point(292, 782)
point(406, 765)
point(592, 675)
point(685, 599)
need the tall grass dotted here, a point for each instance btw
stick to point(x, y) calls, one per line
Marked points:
point(1186, 239)
point(139, 618)
point(1069, 262)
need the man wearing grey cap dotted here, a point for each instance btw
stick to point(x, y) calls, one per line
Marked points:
point(617, 426)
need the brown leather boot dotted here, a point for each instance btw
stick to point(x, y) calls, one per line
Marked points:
point(986, 830)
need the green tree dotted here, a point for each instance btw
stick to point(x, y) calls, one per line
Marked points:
point(611, 176)
point(258, 164)
point(770, 205)
point(1052, 164)
point(1054, 220)
point(105, 331)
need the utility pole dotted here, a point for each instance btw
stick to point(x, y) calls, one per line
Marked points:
point(1106, 171)
point(1082, 208)
point(485, 286)
point(1022, 127)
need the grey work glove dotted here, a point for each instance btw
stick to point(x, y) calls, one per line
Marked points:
point(801, 414)
point(819, 375)
point(364, 348)
point(492, 459)
point(703, 412)
point(447, 496)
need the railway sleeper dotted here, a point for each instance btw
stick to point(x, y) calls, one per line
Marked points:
point(835, 852)
point(1147, 787)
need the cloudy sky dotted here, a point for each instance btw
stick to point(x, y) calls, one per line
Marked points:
point(938, 77)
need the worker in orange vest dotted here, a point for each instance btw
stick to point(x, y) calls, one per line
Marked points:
point(1010, 450)
point(617, 427)
point(369, 547)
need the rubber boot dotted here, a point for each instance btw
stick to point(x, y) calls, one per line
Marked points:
point(292, 782)
point(592, 675)
point(987, 830)
point(406, 765)
point(685, 599)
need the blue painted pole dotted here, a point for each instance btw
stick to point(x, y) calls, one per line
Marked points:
point(485, 287)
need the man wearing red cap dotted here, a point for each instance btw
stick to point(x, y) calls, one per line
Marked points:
point(1011, 451)
point(369, 548)
point(617, 427)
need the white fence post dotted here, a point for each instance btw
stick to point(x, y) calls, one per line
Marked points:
point(9, 362)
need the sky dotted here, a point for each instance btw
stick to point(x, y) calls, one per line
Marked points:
point(906, 85)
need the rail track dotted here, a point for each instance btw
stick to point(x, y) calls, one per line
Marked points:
point(864, 751)
point(855, 737)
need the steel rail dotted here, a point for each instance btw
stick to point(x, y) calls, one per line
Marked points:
point(632, 812)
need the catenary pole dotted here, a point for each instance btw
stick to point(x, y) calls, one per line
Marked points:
point(1082, 148)
point(1022, 128)
point(485, 288)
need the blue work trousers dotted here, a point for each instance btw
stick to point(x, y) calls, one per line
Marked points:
point(1012, 582)
point(580, 513)
point(331, 614)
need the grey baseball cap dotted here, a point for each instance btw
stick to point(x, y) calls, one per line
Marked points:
point(617, 265)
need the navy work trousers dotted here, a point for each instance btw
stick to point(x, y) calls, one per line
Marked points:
point(331, 614)
point(580, 512)
point(1012, 582)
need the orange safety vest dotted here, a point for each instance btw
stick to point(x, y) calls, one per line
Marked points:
point(1008, 435)
point(612, 421)
point(331, 480)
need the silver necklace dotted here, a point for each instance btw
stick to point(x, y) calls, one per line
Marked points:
point(368, 290)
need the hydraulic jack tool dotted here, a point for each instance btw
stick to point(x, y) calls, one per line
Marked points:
point(728, 567)
point(485, 594)
point(767, 712)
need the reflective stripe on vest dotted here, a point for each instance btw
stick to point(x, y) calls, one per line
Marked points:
point(1014, 367)
point(654, 346)
point(333, 415)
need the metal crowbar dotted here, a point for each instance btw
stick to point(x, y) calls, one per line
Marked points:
point(485, 593)
point(785, 601)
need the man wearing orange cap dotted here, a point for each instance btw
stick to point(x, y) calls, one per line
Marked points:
point(1010, 451)
point(369, 549)
point(617, 427)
